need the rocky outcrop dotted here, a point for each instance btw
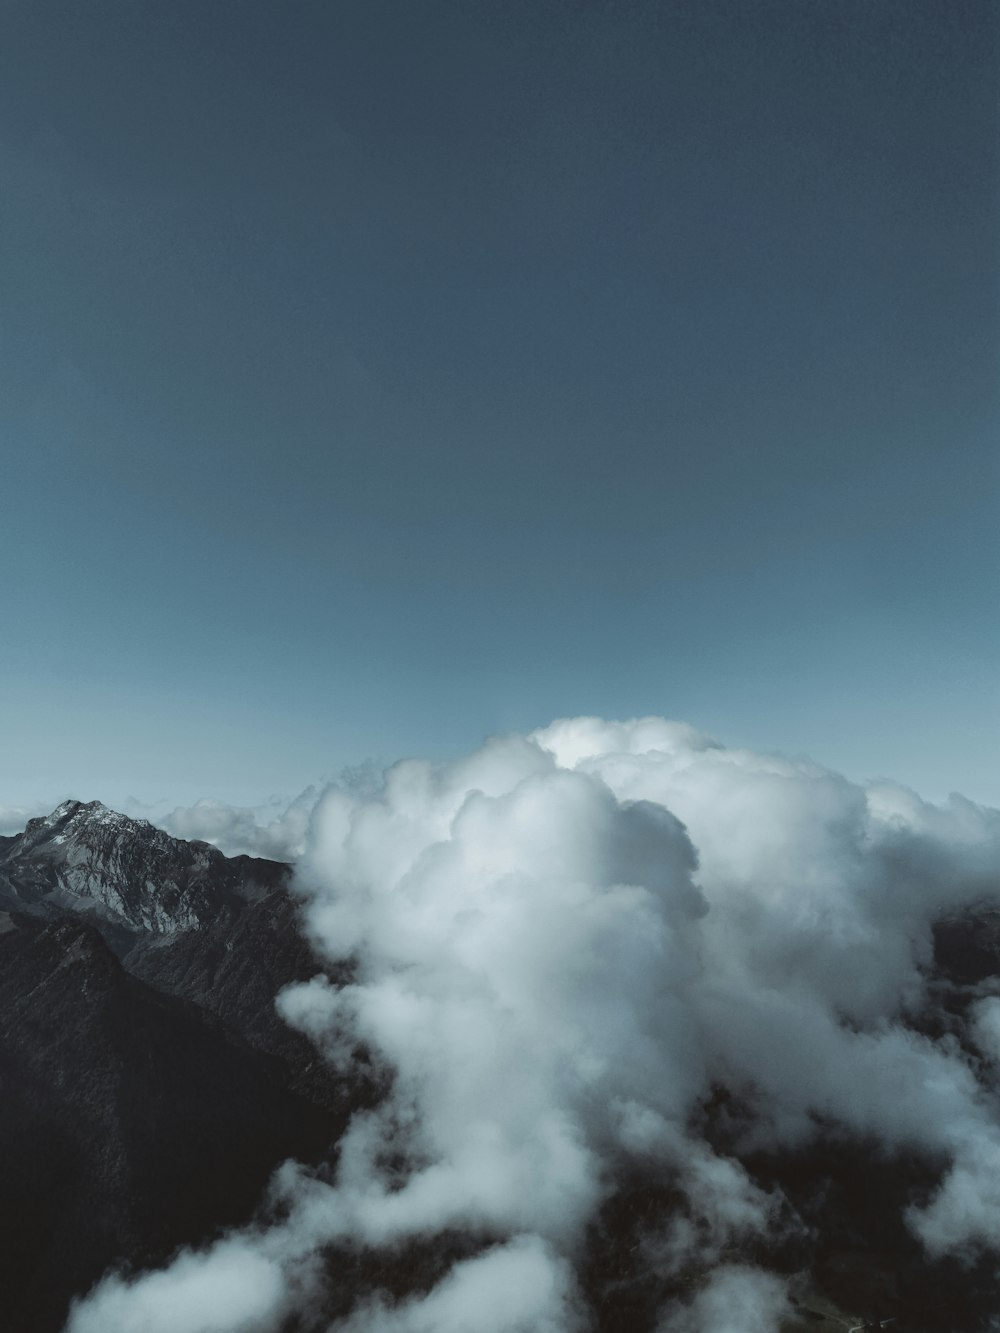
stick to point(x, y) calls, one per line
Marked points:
point(128, 874)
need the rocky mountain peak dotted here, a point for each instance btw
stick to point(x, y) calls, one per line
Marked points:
point(85, 856)
point(79, 820)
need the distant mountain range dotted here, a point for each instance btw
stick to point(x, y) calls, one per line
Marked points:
point(148, 1089)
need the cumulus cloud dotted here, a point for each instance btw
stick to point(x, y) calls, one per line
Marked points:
point(734, 1300)
point(234, 1287)
point(986, 1027)
point(277, 831)
point(563, 944)
point(520, 1287)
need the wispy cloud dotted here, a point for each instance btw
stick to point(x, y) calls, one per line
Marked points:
point(14, 817)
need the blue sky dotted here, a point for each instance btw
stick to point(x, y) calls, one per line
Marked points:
point(376, 376)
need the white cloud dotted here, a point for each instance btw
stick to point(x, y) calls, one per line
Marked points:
point(277, 831)
point(520, 1287)
point(233, 1288)
point(563, 942)
point(14, 817)
point(986, 1027)
point(734, 1300)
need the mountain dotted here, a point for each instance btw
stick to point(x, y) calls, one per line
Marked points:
point(220, 931)
point(128, 874)
point(132, 1121)
point(147, 1087)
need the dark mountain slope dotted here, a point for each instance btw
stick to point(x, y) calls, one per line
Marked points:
point(139, 1122)
point(234, 970)
point(147, 1086)
point(219, 931)
point(128, 874)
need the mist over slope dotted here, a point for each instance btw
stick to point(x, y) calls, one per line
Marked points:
point(617, 966)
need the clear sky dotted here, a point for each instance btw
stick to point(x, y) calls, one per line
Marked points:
point(375, 376)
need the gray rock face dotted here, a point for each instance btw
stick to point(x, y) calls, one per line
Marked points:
point(87, 858)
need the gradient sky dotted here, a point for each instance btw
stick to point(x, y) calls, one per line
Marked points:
point(375, 376)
